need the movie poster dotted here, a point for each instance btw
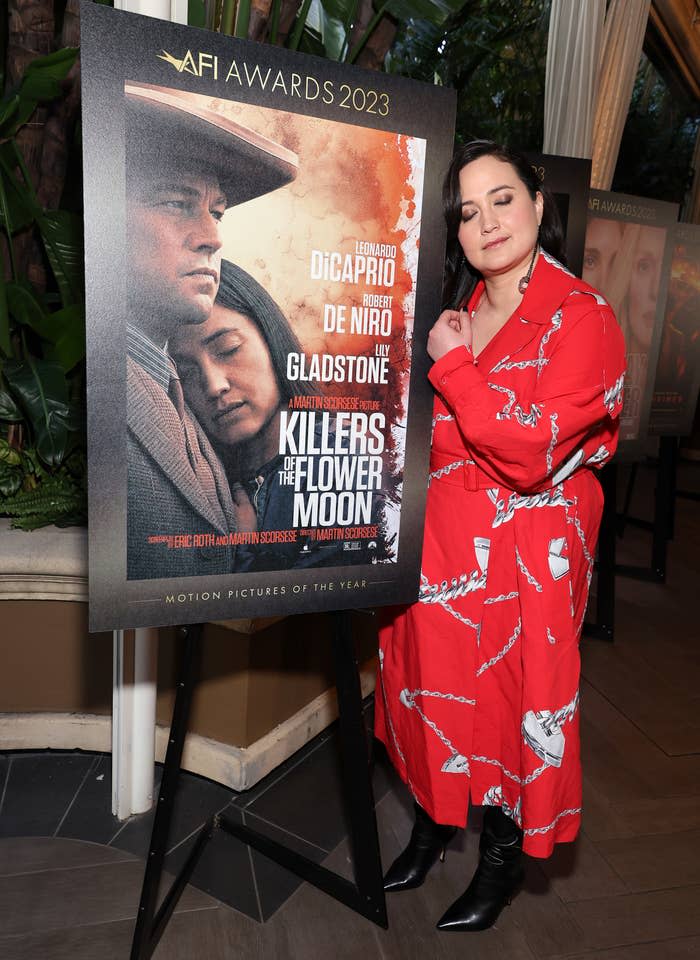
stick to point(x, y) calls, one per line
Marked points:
point(568, 179)
point(264, 252)
point(627, 258)
point(678, 370)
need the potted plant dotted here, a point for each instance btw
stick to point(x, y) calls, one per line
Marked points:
point(42, 338)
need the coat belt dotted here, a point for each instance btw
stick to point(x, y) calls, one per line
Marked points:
point(461, 473)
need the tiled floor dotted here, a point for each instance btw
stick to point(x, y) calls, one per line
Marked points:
point(628, 889)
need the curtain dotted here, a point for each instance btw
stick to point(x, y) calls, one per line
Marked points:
point(625, 26)
point(574, 45)
point(690, 211)
point(173, 10)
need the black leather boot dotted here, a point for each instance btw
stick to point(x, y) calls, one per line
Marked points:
point(496, 879)
point(427, 843)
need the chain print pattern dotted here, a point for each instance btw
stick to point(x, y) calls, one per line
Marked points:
point(504, 414)
point(601, 454)
point(550, 450)
point(408, 701)
point(614, 395)
point(507, 364)
point(501, 653)
point(555, 322)
point(458, 587)
point(531, 831)
point(548, 498)
point(465, 620)
point(387, 712)
point(566, 712)
point(524, 781)
point(528, 576)
point(528, 419)
point(443, 471)
point(502, 596)
point(442, 418)
point(412, 694)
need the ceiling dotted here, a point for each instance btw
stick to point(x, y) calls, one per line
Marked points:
point(672, 43)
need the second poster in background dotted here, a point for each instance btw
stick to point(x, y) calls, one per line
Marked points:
point(627, 258)
point(678, 370)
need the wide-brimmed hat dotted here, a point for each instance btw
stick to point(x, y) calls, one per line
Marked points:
point(169, 128)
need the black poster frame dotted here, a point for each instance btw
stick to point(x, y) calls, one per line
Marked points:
point(118, 47)
point(569, 177)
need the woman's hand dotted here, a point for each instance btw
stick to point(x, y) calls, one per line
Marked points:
point(451, 329)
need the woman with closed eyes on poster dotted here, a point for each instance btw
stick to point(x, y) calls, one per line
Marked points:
point(233, 372)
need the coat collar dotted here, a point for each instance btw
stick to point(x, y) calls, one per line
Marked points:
point(549, 286)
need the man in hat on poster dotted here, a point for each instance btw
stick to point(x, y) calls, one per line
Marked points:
point(185, 166)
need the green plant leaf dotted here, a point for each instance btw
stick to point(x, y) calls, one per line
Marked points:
point(68, 335)
point(5, 343)
point(26, 308)
point(8, 455)
point(242, 19)
point(323, 34)
point(434, 11)
point(8, 111)
point(196, 14)
point(16, 204)
point(42, 390)
point(343, 10)
point(43, 77)
point(64, 329)
point(9, 410)
point(299, 24)
point(62, 235)
point(10, 481)
point(58, 499)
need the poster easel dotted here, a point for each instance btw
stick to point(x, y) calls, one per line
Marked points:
point(365, 896)
point(603, 628)
point(661, 526)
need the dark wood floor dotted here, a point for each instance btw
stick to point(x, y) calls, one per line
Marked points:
point(628, 889)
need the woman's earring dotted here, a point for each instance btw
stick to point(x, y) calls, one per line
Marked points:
point(524, 281)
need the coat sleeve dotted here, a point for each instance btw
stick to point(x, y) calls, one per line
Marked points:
point(569, 419)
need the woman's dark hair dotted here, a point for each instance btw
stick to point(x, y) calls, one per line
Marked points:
point(460, 277)
point(239, 291)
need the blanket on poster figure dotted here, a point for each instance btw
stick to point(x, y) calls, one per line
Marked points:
point(165, 497)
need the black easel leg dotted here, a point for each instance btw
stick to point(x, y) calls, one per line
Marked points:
point(663, 506)
point(366, 895)
point(364, 839)
point(673, 445)
point(145, 938)
point(624, 516)
point(604, 627)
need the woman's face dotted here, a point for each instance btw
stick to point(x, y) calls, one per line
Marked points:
point(500, 219)
point(227, 377)
point(644, 283)
point(603, 239)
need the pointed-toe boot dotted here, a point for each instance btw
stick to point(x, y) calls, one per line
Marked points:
point(497, 876)
point(427, 843)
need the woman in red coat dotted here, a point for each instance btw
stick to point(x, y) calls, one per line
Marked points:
point(479, 679)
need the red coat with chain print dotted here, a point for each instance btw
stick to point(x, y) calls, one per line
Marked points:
point(478, 680)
